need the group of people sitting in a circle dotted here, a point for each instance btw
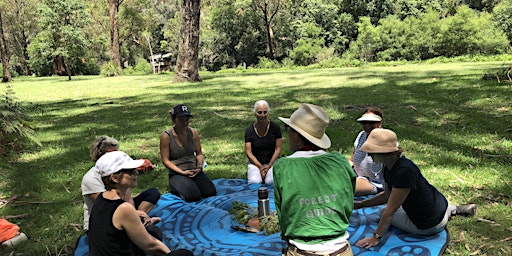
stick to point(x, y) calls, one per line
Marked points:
point(119, 224)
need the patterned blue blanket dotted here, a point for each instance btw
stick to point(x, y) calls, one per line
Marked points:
point(204, 227)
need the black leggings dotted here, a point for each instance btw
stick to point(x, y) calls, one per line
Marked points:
point(191, 189)
point(151, 195)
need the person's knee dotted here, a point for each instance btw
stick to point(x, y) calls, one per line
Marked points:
point(153, 195)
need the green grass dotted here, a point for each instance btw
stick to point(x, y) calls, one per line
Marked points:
point(454, 125)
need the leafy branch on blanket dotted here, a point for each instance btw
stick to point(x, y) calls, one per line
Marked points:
point(248, 216)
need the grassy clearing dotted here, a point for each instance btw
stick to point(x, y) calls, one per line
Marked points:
point(453, 124)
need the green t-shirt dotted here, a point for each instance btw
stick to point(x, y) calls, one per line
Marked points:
point(314, 197)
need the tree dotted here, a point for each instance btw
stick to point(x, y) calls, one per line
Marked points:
point(3, 53)
point(267, 10)
point(502, 15)
point(18, 28)
point(187, 66)
point(62, 40)
point(113, 6)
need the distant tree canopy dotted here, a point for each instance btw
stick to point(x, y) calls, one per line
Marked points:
point(76, 34)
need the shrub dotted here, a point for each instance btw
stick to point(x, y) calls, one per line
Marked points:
point(266, 63)
point(111, 69)
point(15, 125)
point(142, 67)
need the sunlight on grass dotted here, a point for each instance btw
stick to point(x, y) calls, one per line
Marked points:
point(453, 125)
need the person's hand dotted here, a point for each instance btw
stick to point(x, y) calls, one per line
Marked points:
point(368, 242)
point(358, 204)
point(264, 170)
point(194, 172)
point(190, 173)
point(144, 217)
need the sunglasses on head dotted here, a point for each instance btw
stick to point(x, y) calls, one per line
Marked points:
point(262, 112)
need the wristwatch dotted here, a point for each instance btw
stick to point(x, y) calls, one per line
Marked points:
point(377, 235)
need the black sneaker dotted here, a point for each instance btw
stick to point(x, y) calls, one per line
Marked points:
point(466, 210)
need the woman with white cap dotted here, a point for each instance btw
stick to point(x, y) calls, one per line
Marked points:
point(412, 203)
point(369, 179)
point(115, 222)
point(313, 189)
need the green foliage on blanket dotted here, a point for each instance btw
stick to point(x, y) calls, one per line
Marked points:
point(243, 213)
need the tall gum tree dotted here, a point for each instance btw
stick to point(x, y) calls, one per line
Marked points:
point(113, 6)
point(187, 65)
point(3, 54)
point(267, 10)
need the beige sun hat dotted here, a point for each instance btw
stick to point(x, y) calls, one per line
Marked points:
point(381, 141)
point(310, 121)
point(369, 117)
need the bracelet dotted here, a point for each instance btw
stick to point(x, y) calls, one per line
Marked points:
point(377, 235)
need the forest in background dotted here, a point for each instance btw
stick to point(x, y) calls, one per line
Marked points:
point(44, 36)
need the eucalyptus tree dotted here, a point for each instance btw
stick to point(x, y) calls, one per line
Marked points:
point(139, 25)
point(61, 42)
point(20, 25)
point(187, 65)
point(267, 11)
point(113, 6)
point(6, 77)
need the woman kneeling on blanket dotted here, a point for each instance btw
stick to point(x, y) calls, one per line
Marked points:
point(413, 205)
point(181, 153)
point(115, 222)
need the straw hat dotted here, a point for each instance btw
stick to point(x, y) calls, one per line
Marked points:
point(310, 121)
point(381, 141)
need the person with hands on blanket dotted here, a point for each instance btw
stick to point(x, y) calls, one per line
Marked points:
point(114, 223)
point(313, 188)
point(181, 153)
point(412, 203)
point(263, 141)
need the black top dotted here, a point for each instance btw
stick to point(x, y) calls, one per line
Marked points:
point(424, 205)
point(263, 147)
point(104, 238)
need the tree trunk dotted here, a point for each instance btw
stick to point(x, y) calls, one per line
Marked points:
point(3, 54)
point(268, 12)
point(113, 6)
point(187, 66)
point(24, 39)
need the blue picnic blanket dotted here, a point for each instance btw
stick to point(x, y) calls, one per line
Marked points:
point(204, 227)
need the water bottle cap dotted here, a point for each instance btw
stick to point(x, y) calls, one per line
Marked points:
point(262, 193)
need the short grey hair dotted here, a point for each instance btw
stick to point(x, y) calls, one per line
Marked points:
point(100, 144)
point(261, 103)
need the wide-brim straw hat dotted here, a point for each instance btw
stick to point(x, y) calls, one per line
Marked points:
point(310, 121)
point(381, 141)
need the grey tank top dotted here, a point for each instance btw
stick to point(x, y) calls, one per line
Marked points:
point(183, 157)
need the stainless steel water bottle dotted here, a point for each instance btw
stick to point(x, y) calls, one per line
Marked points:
point(263, 202)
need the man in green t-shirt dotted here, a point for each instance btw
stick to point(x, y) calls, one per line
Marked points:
point(314, 189)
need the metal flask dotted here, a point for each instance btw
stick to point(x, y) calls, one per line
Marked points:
point(263, 202)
